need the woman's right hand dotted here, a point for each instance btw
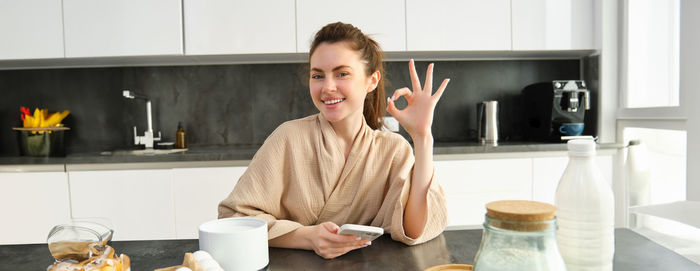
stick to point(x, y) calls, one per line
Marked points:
point(327, 243)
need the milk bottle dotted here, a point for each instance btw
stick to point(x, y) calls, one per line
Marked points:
point(585, 211)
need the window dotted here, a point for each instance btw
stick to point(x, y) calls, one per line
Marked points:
point(652, 53)
point(653, 107)
point(664, 159)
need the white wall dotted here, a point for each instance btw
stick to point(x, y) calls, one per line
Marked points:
point(689, 72)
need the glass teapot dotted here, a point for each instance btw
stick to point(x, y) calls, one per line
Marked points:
point(78, 240)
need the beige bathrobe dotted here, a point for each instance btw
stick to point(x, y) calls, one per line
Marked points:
point(300, 177)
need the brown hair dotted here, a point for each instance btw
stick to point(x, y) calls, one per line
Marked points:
point(371, 53)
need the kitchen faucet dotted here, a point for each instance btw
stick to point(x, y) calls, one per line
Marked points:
point(147, 139)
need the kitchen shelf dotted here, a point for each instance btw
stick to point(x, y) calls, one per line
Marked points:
point(187, 60)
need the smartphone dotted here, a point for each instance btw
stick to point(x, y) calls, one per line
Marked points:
point(365, 232)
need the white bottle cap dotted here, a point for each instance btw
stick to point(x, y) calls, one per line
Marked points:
point(581, 147)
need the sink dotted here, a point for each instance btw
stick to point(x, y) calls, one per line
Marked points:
point(146, 152)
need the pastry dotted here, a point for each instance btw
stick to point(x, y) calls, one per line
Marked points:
point(198, 261)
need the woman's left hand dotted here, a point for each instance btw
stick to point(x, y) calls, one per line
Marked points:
point(417, 117)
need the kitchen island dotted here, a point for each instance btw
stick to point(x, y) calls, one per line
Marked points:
point(633, 252)
point(171, 194)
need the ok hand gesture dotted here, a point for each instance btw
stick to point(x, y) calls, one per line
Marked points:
point(417, 117)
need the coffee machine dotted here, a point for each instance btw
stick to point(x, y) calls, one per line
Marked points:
point(549, 105)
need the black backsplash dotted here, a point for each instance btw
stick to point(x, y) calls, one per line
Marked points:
point(243, 104)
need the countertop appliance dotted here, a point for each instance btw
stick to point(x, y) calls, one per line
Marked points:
point(549, 105)
point(487, 122)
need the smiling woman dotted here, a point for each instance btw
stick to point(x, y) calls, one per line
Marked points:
point(356, 59)
point(336, 167)
point(339, 90)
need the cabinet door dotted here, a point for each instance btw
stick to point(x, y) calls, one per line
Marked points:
point(31, 29)
point(382, 20)
point(552, 24)
point(470, 184)
point(96, 28)
point(547, 172)
point(138, 203)
point(458, 25)
point(239, 27)
point(32, 203)
point(197, 193)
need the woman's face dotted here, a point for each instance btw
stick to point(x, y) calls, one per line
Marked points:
point(338, 82)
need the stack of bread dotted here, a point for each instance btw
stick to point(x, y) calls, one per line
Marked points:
point(87, 256)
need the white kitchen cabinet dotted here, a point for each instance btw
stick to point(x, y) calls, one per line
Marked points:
point(382, 20)
point(552, 24)
point(138, 203)
point(470, 184)
point(32, 203)
point(197, 193)
point(217, 27)
point(547, 172)
point(31, 29)
point(458, 25)
point(97, 28)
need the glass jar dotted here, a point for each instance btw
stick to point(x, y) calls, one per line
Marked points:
point(519, 235)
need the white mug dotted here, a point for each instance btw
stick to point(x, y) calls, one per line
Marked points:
point(237, 243)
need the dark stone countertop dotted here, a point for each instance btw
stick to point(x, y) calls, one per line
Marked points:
point(633, 252)
point(243, 154)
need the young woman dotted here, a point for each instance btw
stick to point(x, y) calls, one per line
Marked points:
point(337, 167)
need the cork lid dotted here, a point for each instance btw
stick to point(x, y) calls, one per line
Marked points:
point(520, 215)
point(520, 210)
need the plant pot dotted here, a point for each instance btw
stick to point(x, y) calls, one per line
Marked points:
point(41, 142)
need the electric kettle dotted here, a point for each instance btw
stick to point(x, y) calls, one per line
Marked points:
point(487, 122)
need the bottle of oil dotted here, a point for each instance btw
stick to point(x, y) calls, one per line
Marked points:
point(180, 137)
